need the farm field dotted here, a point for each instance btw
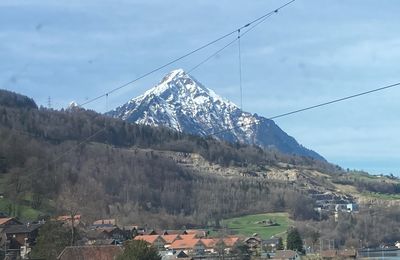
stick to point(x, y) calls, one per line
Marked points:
point(250, 224)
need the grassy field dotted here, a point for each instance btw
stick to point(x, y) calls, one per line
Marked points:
point(248, 225)
point(23, 210)
point(369, 177)
point(382, 196)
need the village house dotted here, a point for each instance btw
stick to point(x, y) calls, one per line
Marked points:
point(91, 236)
point(100, 235)
point(212, 244)
point(67, 219)
point(230, 242)
point(155, 240)
point(135, 229)
point(175, 232)
point(102, 222)
point(286, 255)
point(106, 229)
point(114, 233)
point(171, 255)
point(191, 246)
point(270, 245)
point(9, 221)
point(153, 232)
point(188, 236)
point(108, 252)
point(351, 207)
point(189, 243)
point(197, 232)
point(22, 235)
point(169, 239)
point(132, 227)
point(253, 242)
point(218, 245)
point(17, 237)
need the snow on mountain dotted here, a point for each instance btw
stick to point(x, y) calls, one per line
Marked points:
point(72, 105)
point(182, 103)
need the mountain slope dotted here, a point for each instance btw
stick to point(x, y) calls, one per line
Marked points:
point(130, 171)
point(182, 103)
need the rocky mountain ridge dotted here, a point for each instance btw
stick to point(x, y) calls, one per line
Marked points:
point(182, 103)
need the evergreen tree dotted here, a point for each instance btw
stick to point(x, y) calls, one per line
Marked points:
point(294, 241)
point(52, 239)
point(242, 251)
point(139, 250)
point(279, 246)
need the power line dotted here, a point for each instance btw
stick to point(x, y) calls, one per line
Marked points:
point(106, 95)
point(240, 59)
point(230, 43)
point(233, 128)
point(308, 108)
point(240, 71)
point(188, 54)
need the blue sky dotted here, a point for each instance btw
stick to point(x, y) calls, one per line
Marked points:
point(310, 52)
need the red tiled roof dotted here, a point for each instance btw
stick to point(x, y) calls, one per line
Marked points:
point(209, 242)
point(4, 220)
point(174, 232)
point(197, 232)
point(188, 243)
point(252, 238)
point(170, 238)
point(90, 252)
point(230, 241)
point(190, 236)
point(148, 238)
point(154, 232)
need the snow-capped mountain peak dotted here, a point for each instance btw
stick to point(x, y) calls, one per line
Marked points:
point(182, 103)
point(178, 82)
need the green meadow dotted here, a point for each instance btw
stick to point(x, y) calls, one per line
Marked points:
point(250, 224)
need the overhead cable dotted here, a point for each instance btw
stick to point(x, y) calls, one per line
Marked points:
point(186, 55)
point(306, 108)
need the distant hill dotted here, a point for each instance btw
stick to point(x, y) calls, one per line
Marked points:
point(11, 99)
point(182, 103)
point(157, 177)
point(128, 170)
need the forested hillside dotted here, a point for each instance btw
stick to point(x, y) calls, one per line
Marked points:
point(78, 161)
point(119, 171)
